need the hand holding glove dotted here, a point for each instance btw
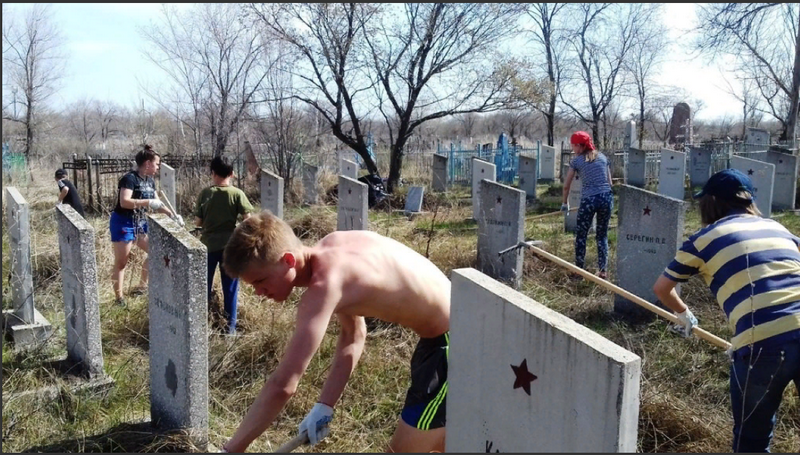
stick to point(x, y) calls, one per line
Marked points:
point(155, 204)
point(565, 207)
point(316, 423)
point(686, 321)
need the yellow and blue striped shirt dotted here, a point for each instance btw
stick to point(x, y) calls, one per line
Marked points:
point(752, 266)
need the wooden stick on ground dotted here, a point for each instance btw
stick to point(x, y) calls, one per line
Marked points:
point(701, 333)
point(545, 215)
point(294, 443)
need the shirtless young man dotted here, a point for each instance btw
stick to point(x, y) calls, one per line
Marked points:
point(349, 274)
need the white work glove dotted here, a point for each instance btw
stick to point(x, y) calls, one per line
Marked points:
point(565, 207)
point(686, 322)
point(155, 204)
point(179, 219)
point(316, 423)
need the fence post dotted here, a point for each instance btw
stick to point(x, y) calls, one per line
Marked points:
point(89, 181)
point(99, 185)
point(74, 169)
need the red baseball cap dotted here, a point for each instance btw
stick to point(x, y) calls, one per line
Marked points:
point(582, 138)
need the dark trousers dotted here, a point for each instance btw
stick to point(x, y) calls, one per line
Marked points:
point(230, 288)
point(601, 204)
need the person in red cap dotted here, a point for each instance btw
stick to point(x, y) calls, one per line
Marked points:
point(596, 198)
point(752, 265)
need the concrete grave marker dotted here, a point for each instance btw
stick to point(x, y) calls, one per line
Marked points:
point(310, 193)
point(352, 208)
point(784, 191)
point(649, 233)
point(168, 184)
point(272, 193)
point(178, 311)
point(635, 171)
point(79, 287)
point(756, 139)
point(524, 378)
point(574, 201)
point(501, 225)
point(348, 168)
point(547, 163)
point(439, 172)
point(480, 170)
point(631, 139)
point(762, 175)
point(699, 166)
point(672, 174)
point(27, 326)
point(527, 175)
point(414, 199)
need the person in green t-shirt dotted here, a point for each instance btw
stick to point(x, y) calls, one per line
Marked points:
point(217, 210)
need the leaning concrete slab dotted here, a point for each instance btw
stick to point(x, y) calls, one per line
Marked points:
point(524, 378)
point(439, 172)
point(272, 193)
point(501, 225)
point(168, 184)
point(527, 175)
point(352, 208)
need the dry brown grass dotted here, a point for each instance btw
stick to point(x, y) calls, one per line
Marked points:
point(684, 387)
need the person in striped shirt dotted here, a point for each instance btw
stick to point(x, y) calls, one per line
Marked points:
point(752, 266)
point(596, 197)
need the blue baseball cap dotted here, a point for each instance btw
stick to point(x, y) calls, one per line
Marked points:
point(726, 183)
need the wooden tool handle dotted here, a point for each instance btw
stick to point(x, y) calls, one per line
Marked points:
point(536, 217)
point(296, 442)
point(701, 333)
point(165, 200)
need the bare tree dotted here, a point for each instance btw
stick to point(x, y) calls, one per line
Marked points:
point(551, 41)
point(34, 60)
point(601, 43)
point(82, 121)
point(468, 123)
point(216, 54)
point(765, 39)
point(747, 94)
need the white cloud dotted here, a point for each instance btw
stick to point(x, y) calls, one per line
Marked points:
point(93, 46)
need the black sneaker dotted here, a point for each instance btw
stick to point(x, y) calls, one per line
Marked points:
point(137, 291)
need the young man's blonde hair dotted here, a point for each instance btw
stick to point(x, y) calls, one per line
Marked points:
point(263, 239)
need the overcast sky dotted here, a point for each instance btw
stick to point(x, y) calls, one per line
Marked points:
point(105, 56)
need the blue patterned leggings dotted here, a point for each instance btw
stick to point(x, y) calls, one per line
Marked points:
point(603, 205)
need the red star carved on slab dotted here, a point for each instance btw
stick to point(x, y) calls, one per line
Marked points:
point(523, 377)
point(166, 260)
point(647, 210)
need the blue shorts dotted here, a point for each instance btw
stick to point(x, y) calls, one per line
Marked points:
point(125, 229)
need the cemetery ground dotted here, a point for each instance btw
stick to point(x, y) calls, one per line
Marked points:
point(685, 405)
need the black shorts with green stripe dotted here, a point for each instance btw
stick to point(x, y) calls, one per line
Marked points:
point(425, 400)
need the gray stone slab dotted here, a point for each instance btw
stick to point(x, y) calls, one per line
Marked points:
point(501, 225)
point(439, 172)
point(524, 378)
point(348, 168)
point(80, 290)
point(631, 139)
point(27, 337)
point(178, 312)
point(352, 208)
point(762, 175)
point(649, 233)
point(784, 191)
point(757, 138)
point(272, 193)
point(547, 163)
point(527, 175)
point(699, 166)
point(19, 236)
point(574, 200)
point(310, 191)
point(414, 199)
point(480, 170)
point(168, 184)
point(672, 174)
point(635, 172)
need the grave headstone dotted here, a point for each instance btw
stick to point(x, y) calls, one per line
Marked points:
point(631, 139)
point(672, 174)
point(574, 201)
point(756, 139)
point(480, 170)
point(635, 171)
point(178, 312)
point(524, 378)
point(27, 326)
point(80, 291)
point(762, 175)
point(310, 193)
point(414, 199)
point(168, 184)
point(681, 116)
point(348, 168)
point(699, 166)
point(272, 193)
point(784, 191)
point(439, 172)
point(527, 175)
point(501, 225)
point(547, 163)
point(352, 208)
point(649, 233)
